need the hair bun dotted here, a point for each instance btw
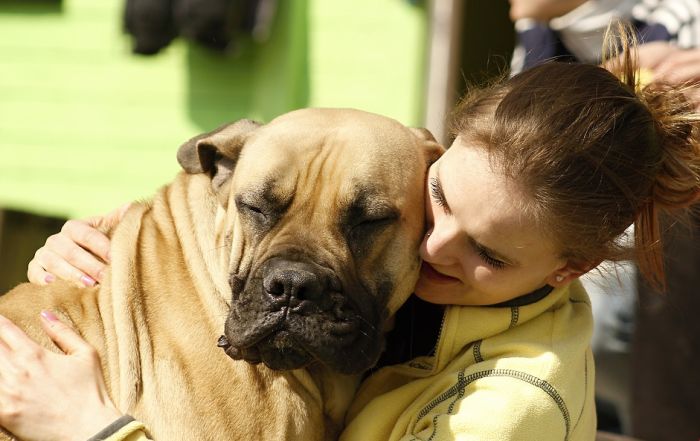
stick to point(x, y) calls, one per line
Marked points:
point(677, 127)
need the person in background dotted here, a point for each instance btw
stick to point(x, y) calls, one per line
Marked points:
point(572, 30)
point(529, 197)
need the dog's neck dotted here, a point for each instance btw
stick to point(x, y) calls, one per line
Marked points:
point(337, 392)
point(193, 209)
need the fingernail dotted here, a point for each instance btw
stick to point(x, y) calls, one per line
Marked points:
point(88, 281)
point(49, 278)
point(49, 316)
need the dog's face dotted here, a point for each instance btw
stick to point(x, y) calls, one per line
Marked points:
point(323, 213)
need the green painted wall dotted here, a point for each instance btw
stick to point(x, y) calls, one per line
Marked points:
point(85, 125)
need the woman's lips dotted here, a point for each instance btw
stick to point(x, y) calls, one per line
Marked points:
point(434, 276)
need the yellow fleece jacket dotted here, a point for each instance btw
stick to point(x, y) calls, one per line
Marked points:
point(498, 374)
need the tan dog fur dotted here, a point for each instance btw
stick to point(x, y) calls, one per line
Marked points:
point(156, 317)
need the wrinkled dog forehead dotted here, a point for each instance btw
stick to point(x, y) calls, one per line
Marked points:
point(339, 145)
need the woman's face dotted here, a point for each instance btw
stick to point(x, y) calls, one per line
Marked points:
point(480, 249)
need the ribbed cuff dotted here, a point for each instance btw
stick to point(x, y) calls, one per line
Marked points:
point(113, 428)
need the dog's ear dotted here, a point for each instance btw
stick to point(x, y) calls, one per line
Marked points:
point(199, 154)
point(433, 150)
point(216, 153)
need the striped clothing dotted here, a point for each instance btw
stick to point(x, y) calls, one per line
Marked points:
point(680, 18)
point(578, 35)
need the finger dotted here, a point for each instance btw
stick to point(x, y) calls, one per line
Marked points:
point(63, 335)
point(58, 267)
point(679, 73)
point(108, 222)
point(14, 337)
point(680, 67)
point(63, 258)
point(686, 73)
point(87, 236)
point(37, 275)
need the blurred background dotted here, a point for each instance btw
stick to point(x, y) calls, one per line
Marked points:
point(97, 95)
point(91, 117)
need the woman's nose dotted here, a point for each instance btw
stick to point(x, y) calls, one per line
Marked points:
point(438, 245)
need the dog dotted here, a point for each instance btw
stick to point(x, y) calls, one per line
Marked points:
point(297, 239)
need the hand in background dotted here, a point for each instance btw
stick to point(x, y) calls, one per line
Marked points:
point(79, 253)
point(673, 65)
point(680, 66)
point(45, 396)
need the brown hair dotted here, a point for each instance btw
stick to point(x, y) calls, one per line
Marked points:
point(594, 151)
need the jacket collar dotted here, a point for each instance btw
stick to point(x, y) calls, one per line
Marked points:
point(463, 325)
point(526, 299)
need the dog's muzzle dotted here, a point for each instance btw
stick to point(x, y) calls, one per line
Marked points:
point(292, 312)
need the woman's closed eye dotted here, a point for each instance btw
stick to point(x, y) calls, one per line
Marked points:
point(437, 193)
point(487, 258)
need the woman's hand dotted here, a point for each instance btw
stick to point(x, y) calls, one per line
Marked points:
point(80, 252)
point(48, 396)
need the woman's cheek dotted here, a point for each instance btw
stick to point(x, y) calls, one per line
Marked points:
point(475, 270)
point(483, 274)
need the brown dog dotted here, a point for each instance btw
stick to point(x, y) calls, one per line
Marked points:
point(297, 239)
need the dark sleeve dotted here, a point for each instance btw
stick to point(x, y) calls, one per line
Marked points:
point(115, 427)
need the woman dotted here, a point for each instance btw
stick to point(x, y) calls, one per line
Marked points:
point(547, 170)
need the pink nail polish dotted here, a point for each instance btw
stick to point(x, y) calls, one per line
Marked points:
point(49, 278)
point(88, 281)
point(49, 316)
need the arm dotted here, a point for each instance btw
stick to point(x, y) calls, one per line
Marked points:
point(492, 403)
point(79, 252)
point(494, 407)
point(50, 396)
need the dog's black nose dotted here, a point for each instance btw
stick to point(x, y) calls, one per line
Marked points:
point(293, 283)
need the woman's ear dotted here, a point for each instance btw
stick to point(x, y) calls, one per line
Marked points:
point(570, 271)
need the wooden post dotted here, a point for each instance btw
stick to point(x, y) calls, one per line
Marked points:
point(21, 234)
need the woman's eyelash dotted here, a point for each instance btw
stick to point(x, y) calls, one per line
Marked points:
point(436, 192)
point(495, 263)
